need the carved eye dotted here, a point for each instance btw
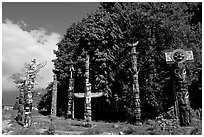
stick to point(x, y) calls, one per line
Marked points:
point(179, 95)
point(176, 71)
point(176, 55)
point(186, 95)
point(184, 71)
point(181, 55)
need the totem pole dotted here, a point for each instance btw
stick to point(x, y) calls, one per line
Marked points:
point(178, 58)
point(53, 106)
point(87, 95)
point(54, 97)
point(70, 109)
point(87, 103)
point(31, 70)
point(19, 117)
point(136, 91)
point(30, 78)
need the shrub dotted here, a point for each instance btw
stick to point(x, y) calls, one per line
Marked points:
point(129, 130)
point(150, 122)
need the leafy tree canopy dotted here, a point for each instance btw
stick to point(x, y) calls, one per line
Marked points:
point(157, 26)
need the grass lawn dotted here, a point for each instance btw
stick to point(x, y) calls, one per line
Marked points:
point(41, 125)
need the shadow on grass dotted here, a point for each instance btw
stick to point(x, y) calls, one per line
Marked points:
point(92, 131)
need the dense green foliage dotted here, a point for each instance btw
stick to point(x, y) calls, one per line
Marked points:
point(157, 26)
point(44, 105)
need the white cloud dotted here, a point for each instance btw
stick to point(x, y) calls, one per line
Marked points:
point(20, 47)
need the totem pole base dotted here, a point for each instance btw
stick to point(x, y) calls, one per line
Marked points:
point(87, 122)
point(73, 118)
point(26, 125)
point(88, 125)
point(51, 129)
point(69, 116)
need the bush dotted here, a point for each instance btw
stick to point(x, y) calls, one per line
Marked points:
point(129, 130)
point(150, 122)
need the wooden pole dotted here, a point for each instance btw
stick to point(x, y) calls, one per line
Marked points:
point(54, 97)
point(70, 109)
point(31, 70)
point(30, 78)
point(178, 57)
point(136, 90)
point(88, 95)
point(182, 95)
point(20, 114)
point(87, 103)
point(53, 106)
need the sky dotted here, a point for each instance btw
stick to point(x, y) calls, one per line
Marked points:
point(31, 30)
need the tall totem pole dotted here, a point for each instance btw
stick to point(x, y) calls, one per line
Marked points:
point(70, 109)
point(53, 106)
point(87, 95)
point(31, 70)
point(136, 91)
point(30, 79)
point(19, 117)
point(54, 97)
point(178, 58)
point(87, 103)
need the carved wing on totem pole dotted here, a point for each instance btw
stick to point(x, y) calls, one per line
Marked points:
point(40, 65)
point(93, 95)
point(79, 95)
point(97, 94)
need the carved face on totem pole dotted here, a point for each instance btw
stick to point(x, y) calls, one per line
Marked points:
point(182, 86)
point(30, 87)
point(88, 96)
point(178, 56)
point(183, 98)
point(87, 112)
point(180, 73)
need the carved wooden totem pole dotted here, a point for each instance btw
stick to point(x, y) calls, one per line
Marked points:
point(70, 109)
point(87, 103)
point(53, 106)
point(30, 79)
point(178, 58)
point(31, 70)
point(87, 95)
point(136, 90)
point(54, 97)
point(20, 114)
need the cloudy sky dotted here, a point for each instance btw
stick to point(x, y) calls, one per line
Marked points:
point(32, 30)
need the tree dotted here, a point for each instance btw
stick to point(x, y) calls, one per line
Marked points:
point(18, 79)
point(44, 105)
point(157, 26)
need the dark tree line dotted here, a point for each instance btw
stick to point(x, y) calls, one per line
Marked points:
point(157, 26)
point(44, 105)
